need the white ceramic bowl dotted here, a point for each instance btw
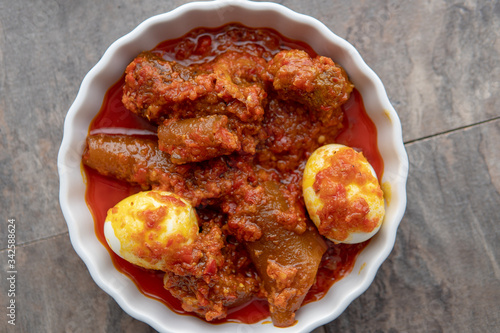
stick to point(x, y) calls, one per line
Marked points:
point(175, 24)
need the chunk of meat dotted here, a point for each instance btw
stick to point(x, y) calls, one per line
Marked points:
point(197, 139)
point(154, 86)
point(130, 159)
point(287, 261)
point(140, 161)
point(240, 79)
point(231, 84)
point(317, 82)
point(210, 292)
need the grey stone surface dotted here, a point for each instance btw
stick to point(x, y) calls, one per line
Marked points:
point(440, 63)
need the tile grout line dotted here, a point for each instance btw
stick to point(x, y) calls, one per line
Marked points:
point(452, 130)
point(33, 241)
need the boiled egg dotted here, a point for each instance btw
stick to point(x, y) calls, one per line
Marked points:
point(149, 228)
point(342, 194)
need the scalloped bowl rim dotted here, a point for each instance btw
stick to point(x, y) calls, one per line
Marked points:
point(179, 21)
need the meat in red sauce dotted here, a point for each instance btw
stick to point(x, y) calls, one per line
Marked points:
point(237, 112)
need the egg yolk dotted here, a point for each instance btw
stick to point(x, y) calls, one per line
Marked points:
point(342, 194)
point(149, 228)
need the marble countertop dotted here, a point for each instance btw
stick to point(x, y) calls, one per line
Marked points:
point(440, 63)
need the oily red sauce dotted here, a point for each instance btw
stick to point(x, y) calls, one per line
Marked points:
point(103, 193)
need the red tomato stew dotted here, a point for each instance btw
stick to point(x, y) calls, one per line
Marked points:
point(226, 118)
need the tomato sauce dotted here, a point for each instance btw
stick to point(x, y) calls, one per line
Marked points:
point(103, 193)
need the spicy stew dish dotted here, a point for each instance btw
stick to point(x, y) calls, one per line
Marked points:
point(233, 174)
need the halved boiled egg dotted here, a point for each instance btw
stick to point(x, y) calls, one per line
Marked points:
point(149, 228)
point(342, 194)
